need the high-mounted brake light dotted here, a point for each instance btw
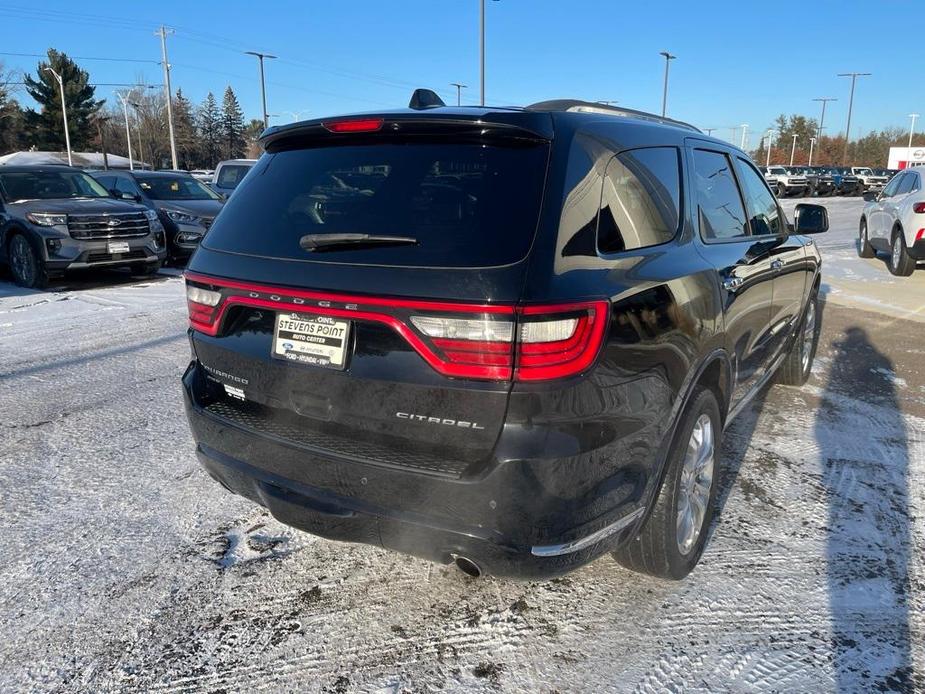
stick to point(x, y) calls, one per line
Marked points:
point(461, 340)
point(919, 208)
point(356, 125)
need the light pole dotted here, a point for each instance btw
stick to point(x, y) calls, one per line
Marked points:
point(744, 136)
point(67, 135)
point(141, 157)
point(128, 133)
point(793, 149)
point(459, 88)
point(854, 76)
point(824, 100)
point(482, 52)
point(668, 59)
point(162, 32)
point(709, 131)
point(263, 87)
point(812, 143)
point(913, 116)
point(767, 162)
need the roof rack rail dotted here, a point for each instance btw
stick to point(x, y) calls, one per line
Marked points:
point(577, 105)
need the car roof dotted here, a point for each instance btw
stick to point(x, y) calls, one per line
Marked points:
point(25, 168)
point(426, 105)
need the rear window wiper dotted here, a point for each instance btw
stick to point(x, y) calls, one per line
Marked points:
point(329, 242)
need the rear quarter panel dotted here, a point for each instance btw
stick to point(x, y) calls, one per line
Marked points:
point(598, 441)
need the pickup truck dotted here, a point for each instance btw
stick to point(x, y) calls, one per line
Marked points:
point(846, 183)
point(869, 180)
point(818, 181)
point(783, 182)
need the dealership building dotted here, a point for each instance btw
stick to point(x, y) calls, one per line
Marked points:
point(904, 157)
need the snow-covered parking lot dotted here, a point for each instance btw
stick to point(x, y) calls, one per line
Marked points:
point(125, 567)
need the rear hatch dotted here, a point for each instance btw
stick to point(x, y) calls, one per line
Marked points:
point(357, 294)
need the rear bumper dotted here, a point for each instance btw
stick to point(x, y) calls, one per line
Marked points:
point(501, 521)
point(917, 250)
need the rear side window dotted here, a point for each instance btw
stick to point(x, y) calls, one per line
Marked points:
point(763, 212)
point(906, 184)
point(231, 174)
point(466, 205)
point(719, 204)
point(641, 199)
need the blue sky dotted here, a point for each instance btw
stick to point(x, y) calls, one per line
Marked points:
point(738, 62)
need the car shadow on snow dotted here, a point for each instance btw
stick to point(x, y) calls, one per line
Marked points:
point(869, 539)
point(83, 280)
point(862, 444)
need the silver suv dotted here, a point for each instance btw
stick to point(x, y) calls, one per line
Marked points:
point(55, 218)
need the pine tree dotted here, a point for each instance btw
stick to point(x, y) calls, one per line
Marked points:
point(232, 126)
point(209, 131)
point(185, 132)
point(252, 134)
point(45, 127)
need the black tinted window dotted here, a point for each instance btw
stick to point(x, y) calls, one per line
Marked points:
point(719, 204)
point(763, 212)
point(467, 205)
point(641, 199)
point(174, 188)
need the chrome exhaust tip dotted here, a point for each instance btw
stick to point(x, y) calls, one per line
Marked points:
point(467, 566)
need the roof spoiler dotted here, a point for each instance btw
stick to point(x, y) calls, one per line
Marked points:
point(576, 105)
point(425, 98)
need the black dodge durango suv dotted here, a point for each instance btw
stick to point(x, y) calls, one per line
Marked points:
point(505, 338)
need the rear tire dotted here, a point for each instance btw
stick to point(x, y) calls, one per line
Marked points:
point(901, 263)
point(798, 364)
point(668, 546)
point(26, 265)
point(865, 250)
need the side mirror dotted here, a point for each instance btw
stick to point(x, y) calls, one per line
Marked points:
point(810, 219)
point(870, 196)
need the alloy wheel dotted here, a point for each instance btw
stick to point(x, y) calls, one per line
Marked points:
point(897, 251)
point(21, 260)
point(696, 484)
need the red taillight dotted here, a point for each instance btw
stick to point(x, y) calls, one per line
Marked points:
point(479, 341)
point(920, 235)
point(203, 308)
point(559, 341)
point(355, 125)
point(919, 208)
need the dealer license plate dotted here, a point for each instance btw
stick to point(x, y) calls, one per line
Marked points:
point(118, 247)
point(309, 339)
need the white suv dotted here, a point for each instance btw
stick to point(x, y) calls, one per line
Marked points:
point(894, 221)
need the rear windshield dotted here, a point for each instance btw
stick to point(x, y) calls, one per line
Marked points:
point(466, 205)
point(230, 175)
point(174, 188)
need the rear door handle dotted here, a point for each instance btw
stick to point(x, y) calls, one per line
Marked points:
point(776, 265)
point(730, 284)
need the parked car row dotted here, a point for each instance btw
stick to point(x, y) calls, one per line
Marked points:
point(810, 181)
point(55, 218)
